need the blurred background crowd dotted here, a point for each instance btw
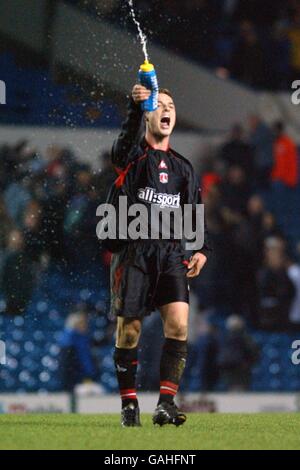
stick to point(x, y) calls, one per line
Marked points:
point(261, 50)
point(54, 274)
point(48, 245)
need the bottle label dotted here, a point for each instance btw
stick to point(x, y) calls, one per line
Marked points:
point(154, 92)
point(150, 81)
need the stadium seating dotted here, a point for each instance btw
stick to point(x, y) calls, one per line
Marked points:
point(273, 373)
point(33, 351)
point(35, 99)
point(32, 341)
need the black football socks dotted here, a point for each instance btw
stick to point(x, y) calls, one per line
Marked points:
point(126, 362)
point(173, 363)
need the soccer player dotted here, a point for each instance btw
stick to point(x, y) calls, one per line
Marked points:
point(152, 274)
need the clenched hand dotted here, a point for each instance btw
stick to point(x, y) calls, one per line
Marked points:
point(140, 93)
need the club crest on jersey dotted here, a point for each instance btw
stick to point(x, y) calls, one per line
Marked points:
point(163, 165)
point(164, 178)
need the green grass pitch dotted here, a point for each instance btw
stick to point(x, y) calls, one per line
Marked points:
point(201, 432)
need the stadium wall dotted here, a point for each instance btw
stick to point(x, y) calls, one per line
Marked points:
point(193, 403)
point(28, 27)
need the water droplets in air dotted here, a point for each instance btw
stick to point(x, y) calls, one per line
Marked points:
point(142, 35)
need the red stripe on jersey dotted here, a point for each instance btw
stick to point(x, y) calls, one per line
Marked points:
point(123, 173)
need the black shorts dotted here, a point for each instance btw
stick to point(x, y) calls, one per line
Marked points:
point(146, 276)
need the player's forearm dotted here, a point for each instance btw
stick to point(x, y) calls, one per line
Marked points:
point(128, 136)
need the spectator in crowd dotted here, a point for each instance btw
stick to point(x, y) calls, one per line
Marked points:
point(210, 182)
point(261, 140)
point(285, 169)
point(280, 60)
point(262, 14)
point(276, 290)
point(17, 276)
point(294, 37)
point(210, 373)
point(249, 236)
point(33, 241)
point(214, 287)
point(238, 354)
point(6, 226)
point(16, 197)
point(236, 152)
point(247, 242)
point(202, 370)
point(235, 191)
point(77, 365)
point(203, 360)
point(53, 215)
point(80, 219)
point(270, 227)
point(249, 61)
point(55, 162)
point(294, 275)
point(255, 212)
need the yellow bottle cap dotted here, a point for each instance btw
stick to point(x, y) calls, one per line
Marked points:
point(147, 67)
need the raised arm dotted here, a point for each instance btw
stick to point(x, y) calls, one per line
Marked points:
point(130, 130)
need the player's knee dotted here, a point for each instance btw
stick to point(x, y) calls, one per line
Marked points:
point(129, 334)
point(130, 338)
point(177, 331)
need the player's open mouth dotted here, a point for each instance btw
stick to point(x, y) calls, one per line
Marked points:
point(165, 122)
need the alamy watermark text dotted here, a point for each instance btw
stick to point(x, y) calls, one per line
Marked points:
point(163, 218)
point(2, 353)
point(296, 94)
point(2, 92)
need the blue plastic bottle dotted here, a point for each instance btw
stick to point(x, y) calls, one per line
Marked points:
point(148, 79)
